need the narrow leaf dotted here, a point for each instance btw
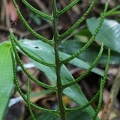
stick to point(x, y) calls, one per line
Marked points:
point(6, 77)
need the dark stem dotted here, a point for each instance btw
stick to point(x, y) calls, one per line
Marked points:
point(57, 62)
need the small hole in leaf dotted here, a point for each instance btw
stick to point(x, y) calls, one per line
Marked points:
point(36, 47)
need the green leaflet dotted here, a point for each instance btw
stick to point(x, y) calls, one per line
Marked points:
point(6, 77)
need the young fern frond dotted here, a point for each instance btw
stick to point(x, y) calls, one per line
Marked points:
point(59, 87)
point(71, 29)
point(91, 39)
point(27, 53)
point(67, 7)
point(30, 29)
point(88, 70)
point(41, 14)
point(28, 100)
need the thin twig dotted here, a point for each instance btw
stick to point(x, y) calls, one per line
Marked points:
point(41, 5)
point(7, 14)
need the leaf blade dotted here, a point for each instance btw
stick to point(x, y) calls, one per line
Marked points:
point(109, 33)
point(6, 76)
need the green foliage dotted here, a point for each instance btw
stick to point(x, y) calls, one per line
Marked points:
point(109, 33)
point(114, 11)
point(46, 56)
point(6, 76)
point(37, 48)
point(77, 115)
point(92, 51)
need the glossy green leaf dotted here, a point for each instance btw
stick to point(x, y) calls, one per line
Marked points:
point(46, 52)
point(45, 116)
point(109, 33)
point(90, 51)
point(77, 115)
point(6, 77)
point(81, 64)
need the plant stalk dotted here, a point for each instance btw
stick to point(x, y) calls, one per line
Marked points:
point(57, 62)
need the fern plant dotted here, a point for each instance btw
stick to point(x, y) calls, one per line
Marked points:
point(63, 82)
